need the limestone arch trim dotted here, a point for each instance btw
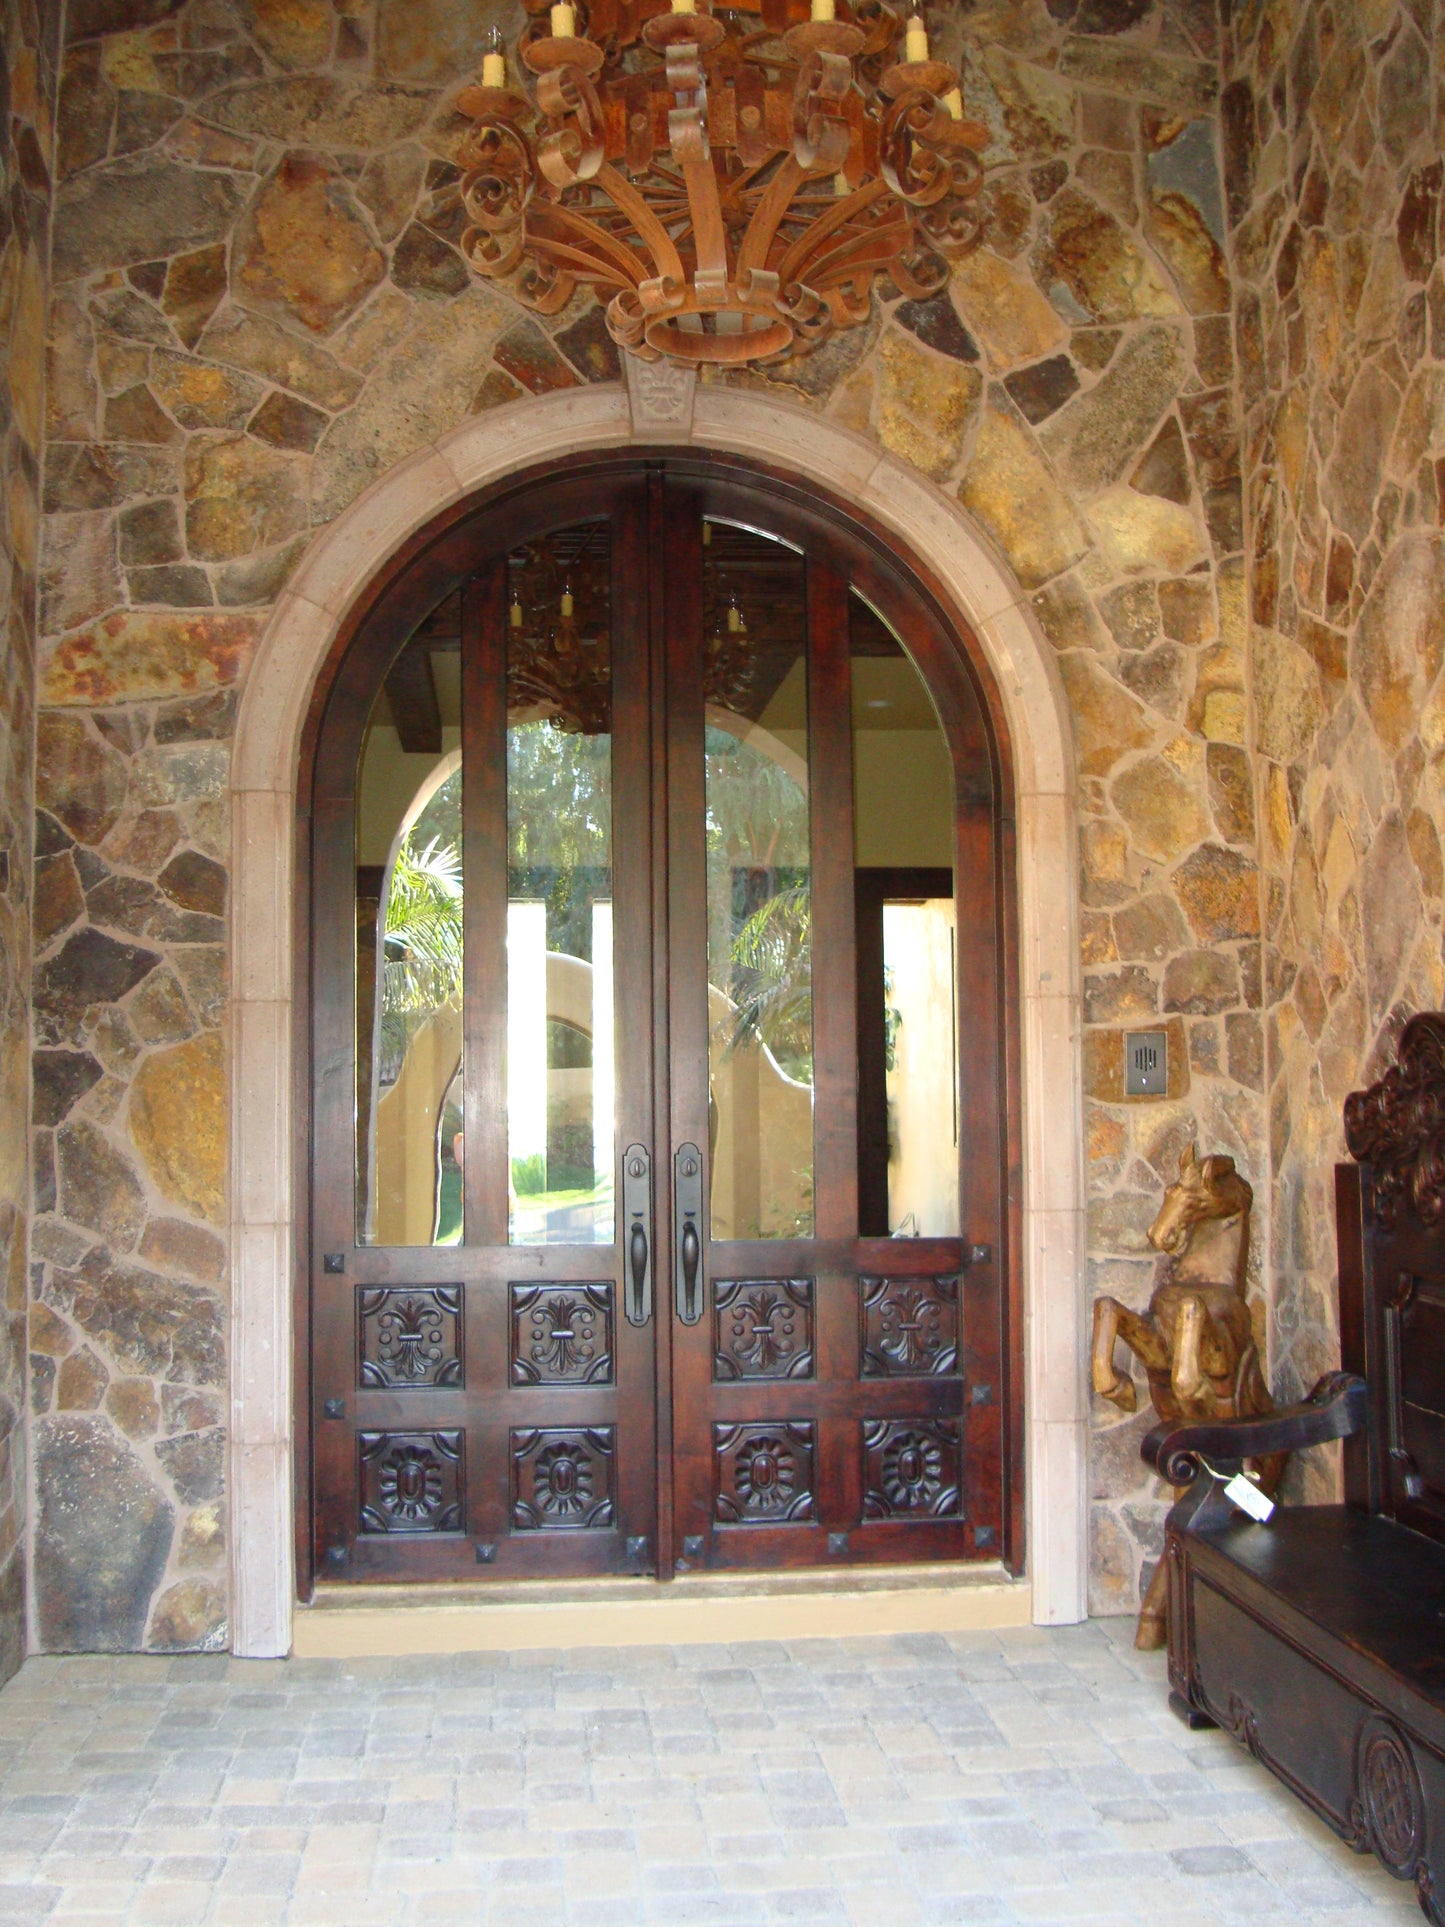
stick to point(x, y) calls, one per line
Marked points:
point(266, 758)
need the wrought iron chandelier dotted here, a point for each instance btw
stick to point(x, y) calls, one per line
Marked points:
point(729, 179)
point(561, 663)
point(555, 665)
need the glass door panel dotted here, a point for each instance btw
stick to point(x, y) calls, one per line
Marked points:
point(903, 831)
point(759, 887)
point(561, 1072)
point(409, 960)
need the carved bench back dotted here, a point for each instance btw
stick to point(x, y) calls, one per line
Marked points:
point(1390, 1221)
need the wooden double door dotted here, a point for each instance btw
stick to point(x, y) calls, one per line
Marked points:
point(659, 1122)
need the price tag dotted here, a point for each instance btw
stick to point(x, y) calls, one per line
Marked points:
point(1248, 1497)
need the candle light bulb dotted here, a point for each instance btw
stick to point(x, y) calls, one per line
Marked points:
point(953, 101)
point(824, 10)
point(841, 189)
point(684, 6)
point(516, 615)
point(567, 605)
point(736, 625)
point(916, 42)
point(564, 21)
point(494, 61)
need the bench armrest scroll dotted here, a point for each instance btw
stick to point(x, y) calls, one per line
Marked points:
point(1336, 1407)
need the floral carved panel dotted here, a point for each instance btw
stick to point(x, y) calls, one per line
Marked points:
point(412, 1481)
point(764, 1473)
point(562, 1478)
point(912, 1469)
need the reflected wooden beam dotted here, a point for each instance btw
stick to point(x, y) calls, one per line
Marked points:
point(412, 693)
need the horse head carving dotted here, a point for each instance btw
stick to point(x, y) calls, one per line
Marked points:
point(1207, 1191)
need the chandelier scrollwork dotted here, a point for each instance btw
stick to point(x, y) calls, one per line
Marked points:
point(559, 642)
point(729, 181)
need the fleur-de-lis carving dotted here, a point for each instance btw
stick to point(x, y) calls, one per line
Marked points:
point(409, 1337)
point(910, 1327)
point(564, 1332)
point(909, 1322)
point(764, 1329)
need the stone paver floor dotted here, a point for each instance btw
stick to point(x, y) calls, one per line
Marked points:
point(1023, 1776)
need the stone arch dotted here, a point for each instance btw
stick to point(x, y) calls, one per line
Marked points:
point(291, 654)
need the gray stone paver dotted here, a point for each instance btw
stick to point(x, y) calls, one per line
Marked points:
point(1006, 1778)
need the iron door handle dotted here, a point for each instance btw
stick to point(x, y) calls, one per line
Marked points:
point(637, 1213)
point(687, 1197)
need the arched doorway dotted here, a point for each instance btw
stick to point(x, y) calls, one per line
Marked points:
point(662, 999)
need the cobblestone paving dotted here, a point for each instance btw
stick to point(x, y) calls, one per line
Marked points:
point(1025, 1776)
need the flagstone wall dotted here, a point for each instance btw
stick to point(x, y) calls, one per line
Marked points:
point(28, 60)
point(258, 306)
point(1332, 127)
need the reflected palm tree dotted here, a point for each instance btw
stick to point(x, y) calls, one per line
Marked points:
point(423, 943)
point(772, 981)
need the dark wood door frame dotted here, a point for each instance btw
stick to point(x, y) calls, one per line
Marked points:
point(435, 561)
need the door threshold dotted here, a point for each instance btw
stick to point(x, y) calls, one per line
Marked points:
point(381, 1621)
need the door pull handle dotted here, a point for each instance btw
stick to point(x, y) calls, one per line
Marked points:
point(687, 1192)
point(637, 1210)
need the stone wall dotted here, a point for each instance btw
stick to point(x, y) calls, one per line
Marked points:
point(1332, 119)
point(28, 60)
point(258, 307)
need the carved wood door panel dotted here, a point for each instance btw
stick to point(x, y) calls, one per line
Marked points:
point(657, 1211)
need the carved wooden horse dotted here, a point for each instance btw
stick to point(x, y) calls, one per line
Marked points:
point(1196, 1340)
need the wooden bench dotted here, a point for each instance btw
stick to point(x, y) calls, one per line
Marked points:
point(1318, 1639)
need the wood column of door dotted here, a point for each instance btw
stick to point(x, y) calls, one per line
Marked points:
point(881, 1455)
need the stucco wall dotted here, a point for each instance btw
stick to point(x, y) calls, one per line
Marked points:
point(27, 91)
point(258, 307)
point(1332, 124)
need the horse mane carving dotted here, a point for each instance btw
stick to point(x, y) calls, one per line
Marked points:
point(1397, 1126)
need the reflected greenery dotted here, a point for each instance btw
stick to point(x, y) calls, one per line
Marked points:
point(772, 980)
point(759, 900)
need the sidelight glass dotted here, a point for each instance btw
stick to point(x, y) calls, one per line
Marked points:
point(560, 1058)
point(908, 1081)
point(409, 953)
point(759, 896)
